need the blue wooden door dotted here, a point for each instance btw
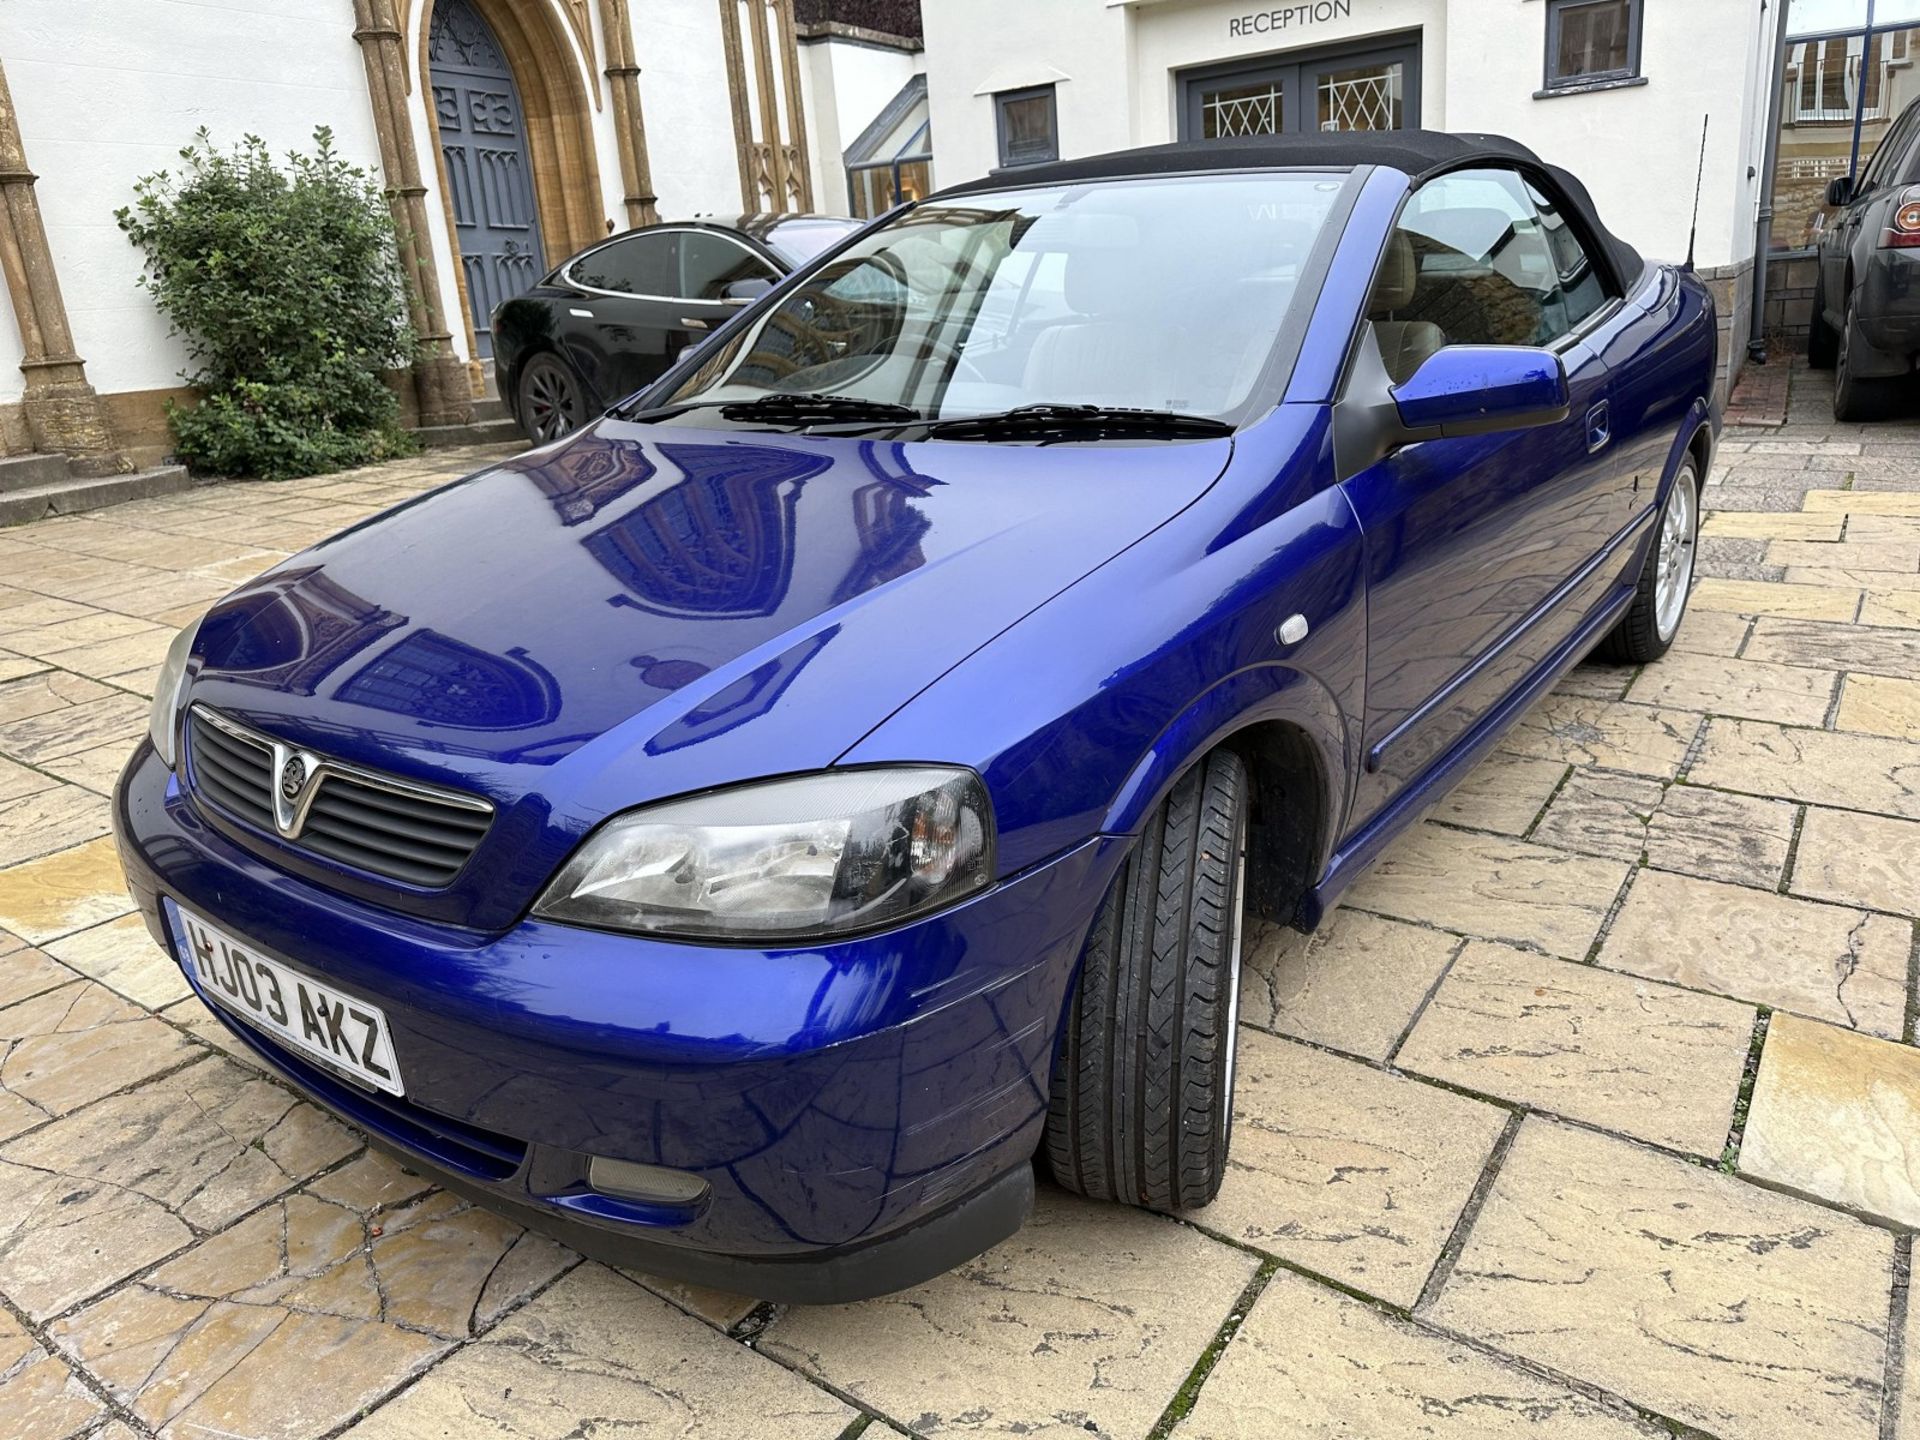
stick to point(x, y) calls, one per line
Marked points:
point(483, 135)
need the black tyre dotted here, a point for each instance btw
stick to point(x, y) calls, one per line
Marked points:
point(553, 402)
point(1823, 342)
point(1647, 630)
point(1855, 398)
point(1142, 1104)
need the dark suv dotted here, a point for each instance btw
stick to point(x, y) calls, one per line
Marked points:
point(1866, 299)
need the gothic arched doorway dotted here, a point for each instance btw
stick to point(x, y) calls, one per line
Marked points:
point(487, 163)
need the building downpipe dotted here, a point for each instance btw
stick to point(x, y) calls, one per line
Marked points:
point(1763, 224)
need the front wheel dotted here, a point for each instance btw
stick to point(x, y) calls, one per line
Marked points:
point(1647, 630)
point(1142, 1103)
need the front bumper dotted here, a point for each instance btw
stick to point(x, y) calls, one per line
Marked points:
point(863, 1113)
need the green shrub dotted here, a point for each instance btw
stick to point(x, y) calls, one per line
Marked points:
point(285, 288)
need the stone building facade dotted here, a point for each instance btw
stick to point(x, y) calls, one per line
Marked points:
point(507, 133)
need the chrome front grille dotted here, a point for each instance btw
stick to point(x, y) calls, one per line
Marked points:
point(394, 828)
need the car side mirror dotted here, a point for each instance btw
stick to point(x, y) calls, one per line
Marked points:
point(1458, 390)
point(1840, 191)
point(1481, 389)
point(744, 292)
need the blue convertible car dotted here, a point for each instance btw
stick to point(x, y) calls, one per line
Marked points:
point(746, 838)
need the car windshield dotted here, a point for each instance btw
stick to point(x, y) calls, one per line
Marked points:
point(1148, 294)
point(798, 241)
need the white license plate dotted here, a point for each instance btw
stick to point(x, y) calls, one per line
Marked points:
point(342, 1032)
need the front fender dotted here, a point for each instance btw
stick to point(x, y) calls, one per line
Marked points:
point(1080, 716)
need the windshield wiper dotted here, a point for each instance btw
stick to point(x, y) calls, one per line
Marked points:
point(1047, 420)
point(798, 408)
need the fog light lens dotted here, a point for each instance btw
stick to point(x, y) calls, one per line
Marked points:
point(649, 1184)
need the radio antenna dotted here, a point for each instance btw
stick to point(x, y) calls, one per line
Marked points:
point(1699, 177)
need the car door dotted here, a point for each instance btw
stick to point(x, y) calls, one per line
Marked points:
point(1473, 542)
point(640, 300)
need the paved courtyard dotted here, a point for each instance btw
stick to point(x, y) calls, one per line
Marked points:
point(1595, 1113)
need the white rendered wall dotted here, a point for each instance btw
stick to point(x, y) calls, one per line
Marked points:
point(977, 47)
point(108, 92)
point(683, 92)
point(1637, 148)
point(844, 86)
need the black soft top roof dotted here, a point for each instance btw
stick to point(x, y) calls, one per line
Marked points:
point(1418, 154)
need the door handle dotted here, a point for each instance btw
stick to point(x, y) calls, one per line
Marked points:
point(694, 322)
point(1599, 427)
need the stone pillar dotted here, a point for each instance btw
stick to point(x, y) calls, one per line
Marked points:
point(623, 78)
point(62, 412)
point(440, 380)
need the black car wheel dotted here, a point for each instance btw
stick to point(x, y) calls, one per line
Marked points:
point(1647, 630)
point(1823, 345)
point(1855, 398)
point(552, 402)
point(1142, 1103)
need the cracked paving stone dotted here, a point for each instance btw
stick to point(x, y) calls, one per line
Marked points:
point(1352, 1173)
point(40, 1398)
point(28, 973)
point(1614, 735)
point(1503, 792)
point(599, 1355)
point(1311, 1364)
point(1830, 962)
point(1615, 1051)
point(1086, 1321)
point(1873, 650)
point(1750, 689)
point(64, 1240)
point(1738, 838)
point(296, 1319)
point(1836, 1117)
point(1750, 1314)
point(1492, 888)
point(1354, 983)
point(1849, 772)
point(70, 1046)
point(210, 1142)
point(192, 1369)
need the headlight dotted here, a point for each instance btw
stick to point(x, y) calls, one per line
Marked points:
point(163, 723)
point(797, 859)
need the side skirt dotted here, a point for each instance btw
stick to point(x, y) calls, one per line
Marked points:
point(1351, 860)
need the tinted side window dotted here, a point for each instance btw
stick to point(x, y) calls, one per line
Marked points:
point(710, 263)
point(1581, 289)
point(1891, 157)
point(637, 265)
point(1474, 262)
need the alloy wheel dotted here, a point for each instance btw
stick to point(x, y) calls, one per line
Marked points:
point(1673, 575)
point(553, 405)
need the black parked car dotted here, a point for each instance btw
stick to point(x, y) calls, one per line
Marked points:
point(1866, 299)
point(614, 317)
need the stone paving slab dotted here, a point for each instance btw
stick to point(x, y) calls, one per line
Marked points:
point(1831, 962)
point(1628, 1055)
point(1836, 1117)
point(1584, 929)
point(1085, 1322)
point(1350, 1172)
point(1749, 1314)
point(1293, 1373)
